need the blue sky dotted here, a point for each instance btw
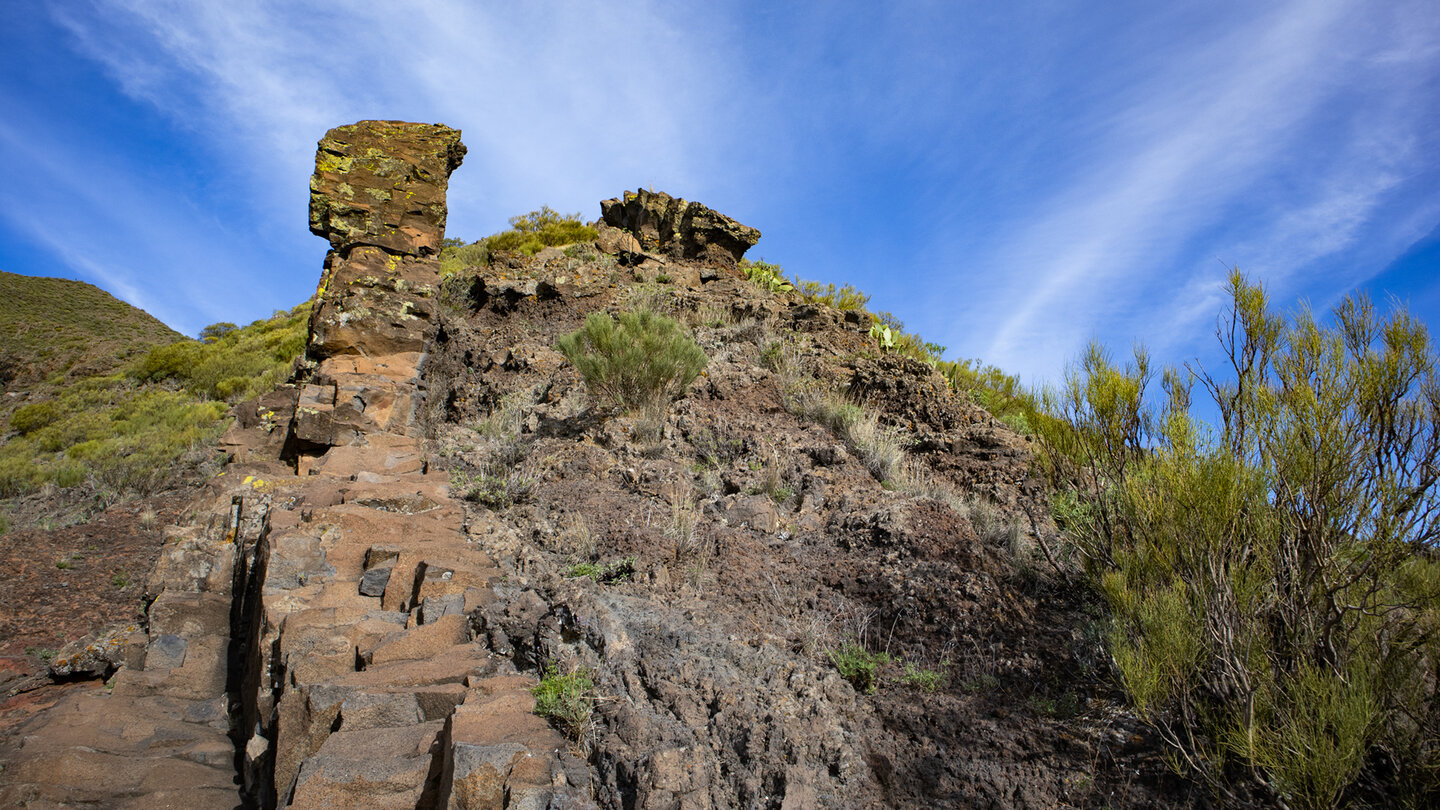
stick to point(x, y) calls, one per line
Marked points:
point(1010, 179)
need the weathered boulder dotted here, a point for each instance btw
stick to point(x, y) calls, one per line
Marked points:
point(383, 183)
point(679, 228)
point(99, 654)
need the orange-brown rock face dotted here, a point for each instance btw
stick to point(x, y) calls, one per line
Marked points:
point(383, 183)
point(378, 196)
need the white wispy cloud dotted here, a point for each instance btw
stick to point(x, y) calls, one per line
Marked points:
point(103, 224)
point(1189, 151)
point(559, 101)
point(1070, 172)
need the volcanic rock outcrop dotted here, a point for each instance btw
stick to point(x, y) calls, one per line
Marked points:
point(678, 228)
point(434, 512)
point(383, 183)
point(313, 628)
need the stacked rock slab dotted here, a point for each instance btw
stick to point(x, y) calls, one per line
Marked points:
point(159, 737)
point(369, 688)
point(315, 628)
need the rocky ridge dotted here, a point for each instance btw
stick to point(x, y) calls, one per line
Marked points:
point(360, 608)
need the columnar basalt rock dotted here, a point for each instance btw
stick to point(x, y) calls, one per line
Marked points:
point(318, 620)
point(378, 196)
point(363, 648)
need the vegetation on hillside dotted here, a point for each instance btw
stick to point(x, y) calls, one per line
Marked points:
point(52, 330)
point(1273, 582)
point(138, 428)
point(529, 234)
point(987, 386)
point(230, 364)
point(643, 361)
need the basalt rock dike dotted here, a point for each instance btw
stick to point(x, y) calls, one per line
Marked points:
point(366, 596)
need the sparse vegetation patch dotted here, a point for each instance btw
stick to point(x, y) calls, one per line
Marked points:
point(530, 233)
point(568, 701)
point(859, 666)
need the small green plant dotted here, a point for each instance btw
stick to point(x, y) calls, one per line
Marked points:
point(643, 360)
point(567, 700)
point(883, 335)
point(611, 573)
point(530, 233)
point(43, 653)
point(772, 355)
point(927, 680)
point(859, 666)
point(979, 684)
point(1019, 422)
point(454, 258)
point(120, 580)
point(1065, 706)
point(842, 298)
point(494, 487)
point(1070, 512)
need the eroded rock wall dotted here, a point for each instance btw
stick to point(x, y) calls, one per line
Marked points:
point(309, 639)
point(367, 688)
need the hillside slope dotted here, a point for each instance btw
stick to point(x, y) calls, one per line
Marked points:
point(777, 608)
point(808, 578)
point(51, 326)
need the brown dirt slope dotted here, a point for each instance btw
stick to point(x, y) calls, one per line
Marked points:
point(737, 553)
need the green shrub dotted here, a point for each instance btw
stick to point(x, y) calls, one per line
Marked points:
point(766, 276)
point(456, 257)
point(1275, 602)
point(611, 573)
point(530, 233)
point(567, 700)
point(859, 666)
point(644, 360)
point(29, 418)
point(843, 298)
point(215, 331)
point(926, 680)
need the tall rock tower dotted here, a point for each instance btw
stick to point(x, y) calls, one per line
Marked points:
point(378, 196)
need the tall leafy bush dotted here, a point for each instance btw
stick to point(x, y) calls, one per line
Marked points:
point(1273, 582)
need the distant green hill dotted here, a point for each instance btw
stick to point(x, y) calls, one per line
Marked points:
point(55, 329)
point(102, 400)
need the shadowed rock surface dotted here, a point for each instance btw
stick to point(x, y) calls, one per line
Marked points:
point(680, 229)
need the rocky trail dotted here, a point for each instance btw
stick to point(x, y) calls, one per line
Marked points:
point(357, 610)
